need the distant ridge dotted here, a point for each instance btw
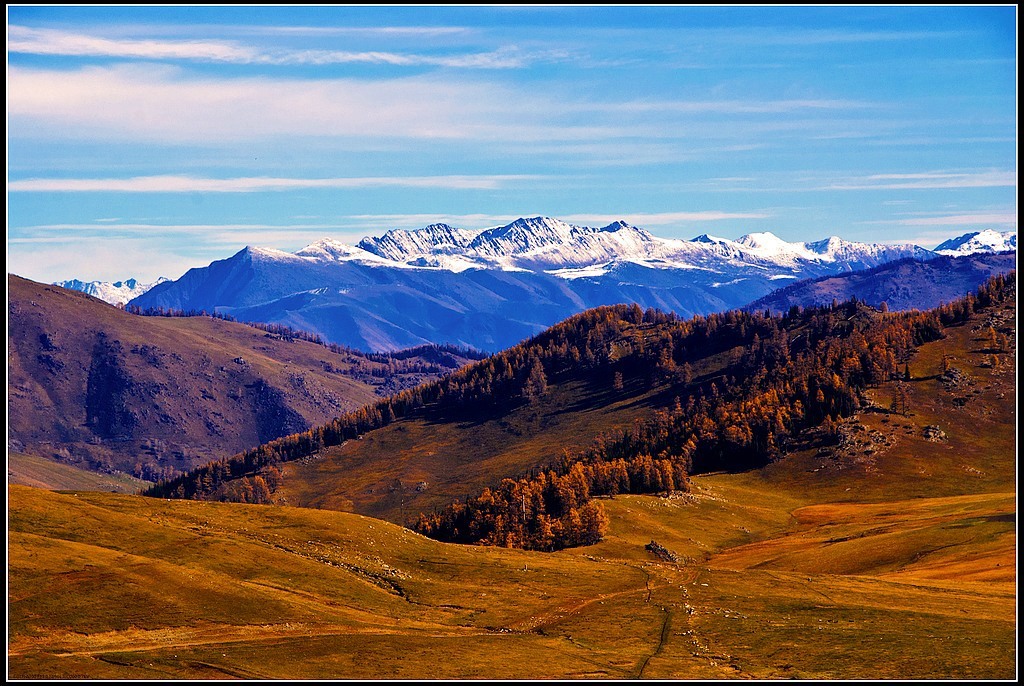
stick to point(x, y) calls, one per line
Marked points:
point(901, 285)
point(489, 289)
point(987, 241)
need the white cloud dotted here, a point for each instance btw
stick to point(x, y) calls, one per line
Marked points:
point(734, 106)
point(979, 219)
point(192, 184)
point(160, 103)
point(353, 30)
point(928, 180)
point(23, 39)
point(98, 259)
point(157, 103)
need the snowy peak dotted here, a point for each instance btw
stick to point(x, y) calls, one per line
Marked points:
point(864, 255)
point(113, 292)
point(766, 241)
point(618, 225)
point(542, 243)
point(258, 254)
point(524, 235)
point(833, 245)
point(768, 246)
point(434, 239)
point(330, 250)
point(987, 241)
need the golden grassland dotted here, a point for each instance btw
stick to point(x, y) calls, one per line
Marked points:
point(892, 561)
point(42, 472)
point(454, 460)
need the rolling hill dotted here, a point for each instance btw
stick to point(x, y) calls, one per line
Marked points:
point(886, 554)
point(96, 387)
point(612, 401)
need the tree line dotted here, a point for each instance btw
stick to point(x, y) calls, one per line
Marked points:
point(747, 383)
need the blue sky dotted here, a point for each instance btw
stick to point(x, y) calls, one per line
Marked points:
point(145, 141)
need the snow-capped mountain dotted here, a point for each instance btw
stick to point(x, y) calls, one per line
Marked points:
point(115, 293)
point(436, 239)
point(491, 288)
point(546, 244)
point(979, 241)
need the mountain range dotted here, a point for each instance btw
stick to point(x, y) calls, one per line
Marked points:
point(489, 289)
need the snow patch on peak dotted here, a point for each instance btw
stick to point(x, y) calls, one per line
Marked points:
point(768, 245)
point(619, 225)
point(986, 241)
point(409, 244)
point(532, 231)
point(257, 253)
point(707, 238)
point(765, 240)
point(330, 250)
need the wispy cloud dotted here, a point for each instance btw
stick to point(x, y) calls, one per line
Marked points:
point(98, 258)
point(23, 39)
point(354, 30)
point(826, 37)
point(928, 180)
point(158, 103)
point(734, 106)
point(979, 219)
point(164, 104)
point(191, 184)
point(149, 228)
point(791, 37)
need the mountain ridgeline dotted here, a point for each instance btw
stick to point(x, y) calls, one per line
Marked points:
point(490, 289)
point(906, 284)
point(767, 383)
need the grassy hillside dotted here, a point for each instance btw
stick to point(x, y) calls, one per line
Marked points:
point(98, 388)
point(759, 383)
point(890, 555)
point(418, 464)
point(42, 472)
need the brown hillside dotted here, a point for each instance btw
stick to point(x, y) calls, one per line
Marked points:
point(99, 388)
point(418, 464)
point(890, 555)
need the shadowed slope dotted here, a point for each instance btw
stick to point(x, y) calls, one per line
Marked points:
point(98, 388)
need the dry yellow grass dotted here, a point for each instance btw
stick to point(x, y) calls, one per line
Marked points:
point(898, 566)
